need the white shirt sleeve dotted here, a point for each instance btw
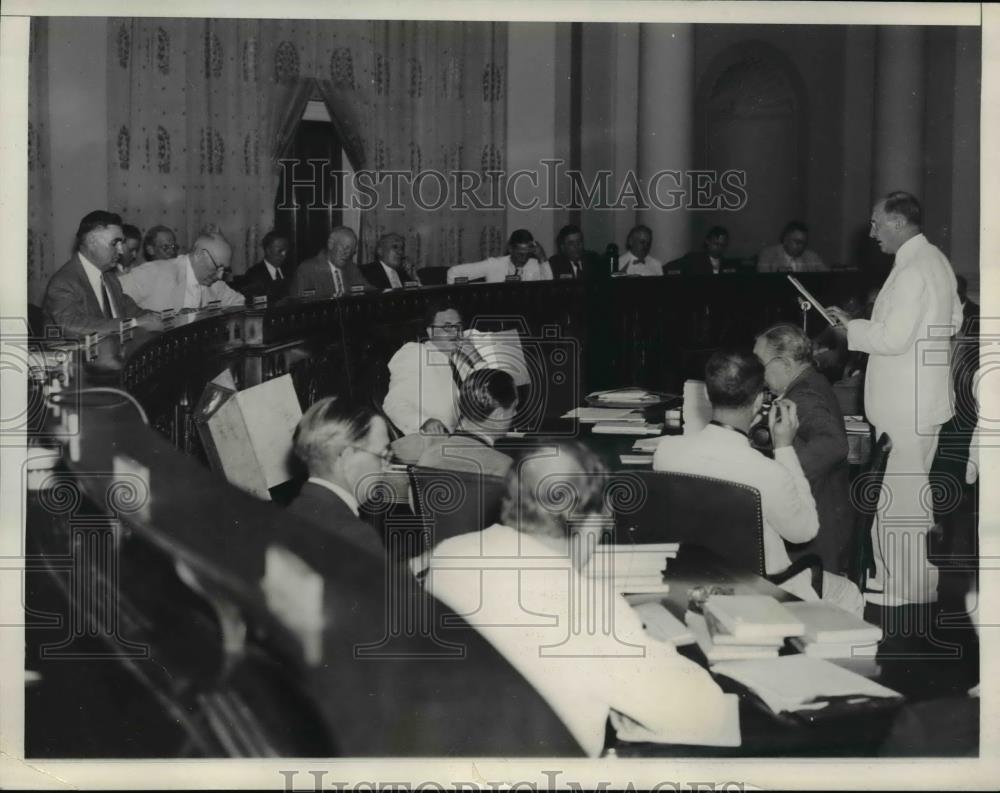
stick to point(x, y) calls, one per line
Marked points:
point(788, 505)
point(473, 270)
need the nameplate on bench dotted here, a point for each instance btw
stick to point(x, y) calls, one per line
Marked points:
point(462, 279)
point(357, 289)
point(260, 301)
point(411, 285)
point(513, 278)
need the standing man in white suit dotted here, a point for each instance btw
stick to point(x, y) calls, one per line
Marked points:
point(908, 392)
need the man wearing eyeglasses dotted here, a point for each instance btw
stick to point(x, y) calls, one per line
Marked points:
point(345, 449)
point(159, 244)
point(185, 283)
point(424, 376)
point(821, 441)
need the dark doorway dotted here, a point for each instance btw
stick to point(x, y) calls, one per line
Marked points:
point(318, 204)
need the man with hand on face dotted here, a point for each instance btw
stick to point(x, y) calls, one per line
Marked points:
point(573, 261)
point(908, 391)
point(735, 383)
point(820, 444)
point(791, 256)
point(187, 283)
point(345, 449)
point(331, 272)
point(391, 269)
point(709, 261)
point(268, 277)
point(84, 295)
point(637, 260)
point(525, 258)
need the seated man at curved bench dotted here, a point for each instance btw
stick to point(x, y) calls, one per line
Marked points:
point(577, 641)
point(188, 282)
point(344, 448)
point(525, 258)
point(424, 376)
point(735, 383)
point(487, 403)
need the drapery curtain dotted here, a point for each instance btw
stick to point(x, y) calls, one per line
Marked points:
point(200, 112)
point(42, 259)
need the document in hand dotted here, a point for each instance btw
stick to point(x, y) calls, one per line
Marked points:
point(798, 682)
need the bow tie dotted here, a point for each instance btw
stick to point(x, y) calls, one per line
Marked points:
point(638, 261)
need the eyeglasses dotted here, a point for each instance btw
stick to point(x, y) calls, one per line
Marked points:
point(450, 327)
point(219, 267)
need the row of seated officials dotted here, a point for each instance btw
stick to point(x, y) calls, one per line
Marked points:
point(102, 282)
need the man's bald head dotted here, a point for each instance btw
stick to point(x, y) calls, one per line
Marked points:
point(211, 254)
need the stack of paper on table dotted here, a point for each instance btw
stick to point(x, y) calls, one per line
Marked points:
point(591, 415)
point(632, 569)
point(627, 427)
point(647, 445)
point(663, 626)
point(636, 459)
point(798, 682)
point(831, 632)
point(637, 395)
point(856, 425)
point(716, 652)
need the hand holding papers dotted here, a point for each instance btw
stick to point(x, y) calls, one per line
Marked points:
point(815, 303)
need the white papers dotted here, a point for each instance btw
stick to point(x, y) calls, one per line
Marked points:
point(796, 682)
point(637, 395)
point(590, 415)
point(724, 652)
point(627, 428)
point(663, 626)
point(750, 617)
point(815, 303)
point(636, 459)
point(646, 445)
point(856, 426)
point(502, 350)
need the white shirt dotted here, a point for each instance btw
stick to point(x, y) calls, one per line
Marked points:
point(392, 275)
point(495, 270)
point(716, 264)
point(94, 276)
point(192, 289)
point(345, 496)
point(786, 500)
point(628, 266)
point(338, 279)
point(421, 386)
point(908, 383)
point(527, 599)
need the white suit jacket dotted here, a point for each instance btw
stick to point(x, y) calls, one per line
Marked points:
point(161, 285)
point(908, 384)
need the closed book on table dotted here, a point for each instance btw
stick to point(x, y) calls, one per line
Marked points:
point(825, 623)
point(753, 616)
point(721, 636)
point(716, 653)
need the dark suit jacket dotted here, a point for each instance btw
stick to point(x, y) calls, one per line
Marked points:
point(315, 274)
point(821, 446)
point(334, 521)
point(462, 452)
point(698, 263)
point(560, 265)
point(71, 304)
point(375, 275)
point(257, 282)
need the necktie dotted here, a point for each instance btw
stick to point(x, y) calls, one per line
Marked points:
point(277, 274)
point(338, 282)
point(576, 269)
point(105, 301)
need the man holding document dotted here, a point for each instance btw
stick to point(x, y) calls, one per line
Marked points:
point(908, 392)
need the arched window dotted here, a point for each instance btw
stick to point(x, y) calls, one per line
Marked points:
point(752, 117)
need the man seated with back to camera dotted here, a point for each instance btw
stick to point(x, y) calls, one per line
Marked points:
point(735, 384)
point(573, 260)
point(820, 443)
point(525, 258)
point(487, 404)
point(189, 282)
point(424, 376)
point(344, 448)
point(520, 583)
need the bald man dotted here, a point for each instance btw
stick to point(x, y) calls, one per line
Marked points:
point(331, 272)
point(187, 283)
